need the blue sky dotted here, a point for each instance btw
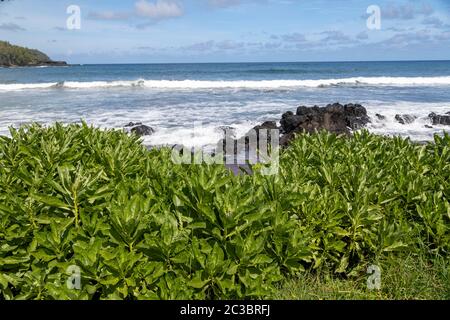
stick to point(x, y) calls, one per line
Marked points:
point(140, 31)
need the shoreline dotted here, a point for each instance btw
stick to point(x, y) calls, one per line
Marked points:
point(338, 118)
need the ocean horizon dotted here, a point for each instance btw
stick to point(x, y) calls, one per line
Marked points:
point(249, 62)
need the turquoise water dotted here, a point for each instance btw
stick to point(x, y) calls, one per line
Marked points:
point(173, 97)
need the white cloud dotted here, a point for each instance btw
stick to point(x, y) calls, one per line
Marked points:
point(433, 22)
point(402, 40)
point(406, 12)
point(445, 36)
point(109, 15)
point(161, 9)
point(335, 36)
point(294, 37)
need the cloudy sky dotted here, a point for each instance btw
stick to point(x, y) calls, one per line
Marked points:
point(134, 31)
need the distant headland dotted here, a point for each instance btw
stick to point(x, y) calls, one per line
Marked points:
point(16, 56)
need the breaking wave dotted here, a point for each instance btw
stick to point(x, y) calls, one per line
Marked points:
point(235, 84)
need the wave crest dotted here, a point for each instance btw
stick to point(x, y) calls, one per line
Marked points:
point(237, 84)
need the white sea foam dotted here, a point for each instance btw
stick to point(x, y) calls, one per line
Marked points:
point(419, 130)
point(25, 86)
point(199, 136)
point(237, 84)
point(174, 124)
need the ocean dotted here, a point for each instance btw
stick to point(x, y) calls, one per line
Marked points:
point(175, 98)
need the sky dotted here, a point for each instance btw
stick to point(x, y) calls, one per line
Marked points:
point(167, 31)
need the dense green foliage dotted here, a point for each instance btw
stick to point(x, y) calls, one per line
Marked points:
point(141, 227)
point(11, 55)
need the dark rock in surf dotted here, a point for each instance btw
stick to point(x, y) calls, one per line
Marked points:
point(242, 145)
point(133, 124)
point(289, 122)
point(267, 125)
point(336, 118)
point(437, 119)
point(405, 118)
point(380, 117)
point(139, 129)
point(143, 130)
point(356, 116)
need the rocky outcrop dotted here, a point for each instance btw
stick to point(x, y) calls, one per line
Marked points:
point(355, 116)
point(437, 119)
point(335, 118)
point(139, 129)
point(289, 122)
point(405, 118)
point(268, 125)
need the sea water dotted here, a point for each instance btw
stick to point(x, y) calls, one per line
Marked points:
point(175, 98)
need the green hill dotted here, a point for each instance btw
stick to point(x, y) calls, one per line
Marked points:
point(14, 56)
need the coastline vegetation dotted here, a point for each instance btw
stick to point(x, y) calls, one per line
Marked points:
point(12, 56)
point(141, 227)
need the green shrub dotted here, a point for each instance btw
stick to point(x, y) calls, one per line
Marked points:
point(141, 227)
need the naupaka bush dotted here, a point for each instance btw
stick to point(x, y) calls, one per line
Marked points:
point(141, 227)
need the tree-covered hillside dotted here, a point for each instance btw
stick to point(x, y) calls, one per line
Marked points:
point(11, 55)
